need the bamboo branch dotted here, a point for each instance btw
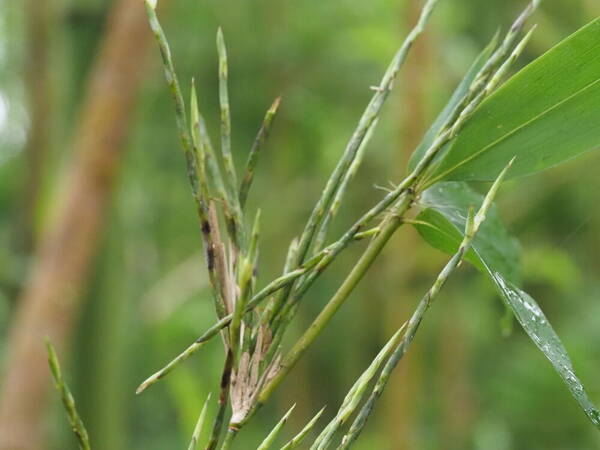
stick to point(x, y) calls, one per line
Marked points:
point(68, 401)
point(259, 143)
point(223, 398)
point(472, 226)
point(199, 425)
point(370, 115)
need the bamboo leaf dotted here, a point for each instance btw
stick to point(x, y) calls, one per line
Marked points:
point(442, 233)
point(546, 114)
point(536, 325)
point(441, 225)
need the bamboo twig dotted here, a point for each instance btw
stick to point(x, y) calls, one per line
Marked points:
point(297, 440)
point(199, 189)
point(256, 300)
point(247, 265)
point(370, 114)
point(68, 401)
point(339, 195)
point(225, 113)
point(180, 114)
point(234, 276)
point(223, 398)
point(341, 295)
point(372, 251)
point(233, 212)
point(355, 394)
point(259, 143)
point(266, 444)
point(199, 425)
point(471, 228)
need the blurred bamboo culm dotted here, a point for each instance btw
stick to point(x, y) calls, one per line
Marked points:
point(50, 299)
point(252, 322)
point(41, 18)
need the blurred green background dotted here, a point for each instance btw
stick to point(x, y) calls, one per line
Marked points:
point(464, 385)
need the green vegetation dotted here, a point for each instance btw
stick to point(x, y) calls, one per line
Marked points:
point(237, 339)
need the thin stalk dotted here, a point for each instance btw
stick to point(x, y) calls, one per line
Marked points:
point(387, 229)
point(489, 87)
point(485, 81)
point(199, 425)
point(67, 399)
point(355, 394)
point(326, 256)
point(506, 65)
point(297, 440)
point(229, 437)
point(504, 48)
point(199, 193)
point(322, 260)
point(471, 228)
point(246, 270)
point(180, 114)
point(268, 441)
point(290, 258)
point(256, 300)
point(211, 159)
point(223, 399)
point(225, 112)
point(234, 212)
point(206, 159)
point(209, 220)
point(370, 114)
point(259, 143)
point(339, 195)
point(375, 246)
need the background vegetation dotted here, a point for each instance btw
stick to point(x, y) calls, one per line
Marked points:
point(464, 384)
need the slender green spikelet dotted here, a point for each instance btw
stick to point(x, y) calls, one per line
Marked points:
point(67, 399)
point(268, 442)
point(297, 440)
point(199, 425)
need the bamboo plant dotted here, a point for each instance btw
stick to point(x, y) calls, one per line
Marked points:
point(491, 129)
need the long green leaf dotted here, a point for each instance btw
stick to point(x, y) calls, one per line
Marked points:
point(450, 202)
point(536, 325)
point(525, 309)
point(546, 114)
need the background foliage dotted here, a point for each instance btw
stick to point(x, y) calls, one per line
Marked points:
point(465, 384)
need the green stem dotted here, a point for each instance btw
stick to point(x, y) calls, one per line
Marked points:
point(229, 437)
point(365, 124)
point(67, 398)
point(223, 398)
point(259, 143)
point(472, 226)
point(364, 263)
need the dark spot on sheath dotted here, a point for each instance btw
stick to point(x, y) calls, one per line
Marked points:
point(210, 258)
point(226, 378)
point(205, 227)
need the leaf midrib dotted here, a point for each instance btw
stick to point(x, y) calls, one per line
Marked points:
point(511, 132)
